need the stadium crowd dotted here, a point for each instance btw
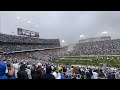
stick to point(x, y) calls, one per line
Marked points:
point(22, 39)
point(39, 69)
point(50, 54)
point(10, 43)
point(22, 47)
point(37, 64)
point(107, 47)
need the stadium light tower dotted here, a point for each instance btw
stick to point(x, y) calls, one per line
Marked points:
point(82, 37)
point(63, 42)
point(104, 34)
point(18, 17)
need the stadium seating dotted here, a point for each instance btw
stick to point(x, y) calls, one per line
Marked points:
point(9, 43)
point(107, 47)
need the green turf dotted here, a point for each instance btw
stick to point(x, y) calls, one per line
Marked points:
point(114, 61)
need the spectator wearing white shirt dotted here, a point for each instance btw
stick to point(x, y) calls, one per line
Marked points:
point(95, 75)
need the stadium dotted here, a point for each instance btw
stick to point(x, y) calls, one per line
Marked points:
point(28, 56)
point(95, 51)
point(13, 46)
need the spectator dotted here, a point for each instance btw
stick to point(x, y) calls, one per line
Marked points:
point(48, 74)
point(117, 76)
point(22, 74)
point(95, 74)
point(3, 74)
point(38, 74)
point(28, 72)
point(16, 69)
point(101, 74)
point(55, 73)
point(88, 75)
point(63, 76)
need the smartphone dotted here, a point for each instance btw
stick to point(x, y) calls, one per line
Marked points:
point(9, 66)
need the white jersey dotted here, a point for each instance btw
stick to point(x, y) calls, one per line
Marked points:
point(95, 75)
point(58, 76)
point(69, 71)
point(55, 75)
point(16, 66)
point(29, 73)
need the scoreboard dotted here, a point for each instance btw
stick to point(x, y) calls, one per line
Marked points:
point(27, 33)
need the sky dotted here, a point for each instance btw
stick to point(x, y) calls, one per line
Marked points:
point(65, 25)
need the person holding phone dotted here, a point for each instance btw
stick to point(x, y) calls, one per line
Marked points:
point(3, 75)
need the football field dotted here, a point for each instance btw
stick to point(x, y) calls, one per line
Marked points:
point(109, 60)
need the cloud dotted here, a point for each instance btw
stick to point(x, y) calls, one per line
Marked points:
point(67, 25)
